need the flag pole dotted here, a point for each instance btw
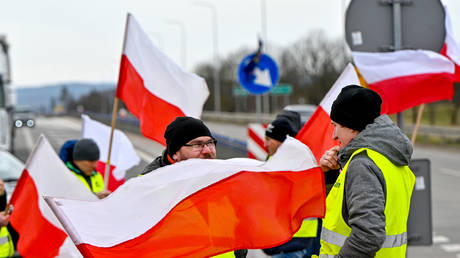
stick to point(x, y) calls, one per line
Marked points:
point(114, 115)
point(417, 123)
point(114, 122)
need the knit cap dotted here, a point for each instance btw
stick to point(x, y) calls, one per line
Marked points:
point(356, 107)
point(86, 149)
point(182, 130)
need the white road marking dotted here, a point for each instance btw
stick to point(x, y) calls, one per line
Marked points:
point(451, 248)
point(440, 239)
point(450, 172)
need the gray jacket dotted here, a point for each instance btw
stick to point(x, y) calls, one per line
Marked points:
point(365, 192)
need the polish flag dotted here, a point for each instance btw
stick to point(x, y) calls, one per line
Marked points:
point(200, 207)
point(407, 78)
point(153, 87)
point(123, 156)
point(41, 234)
point(317, 131)
point(451, 49)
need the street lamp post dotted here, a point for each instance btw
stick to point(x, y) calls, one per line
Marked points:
point(181, 26)
point(217, 98)
point(263, 16)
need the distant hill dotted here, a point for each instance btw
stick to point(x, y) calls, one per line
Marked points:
point(39, 97)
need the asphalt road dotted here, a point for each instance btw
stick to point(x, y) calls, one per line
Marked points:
point(445, 173)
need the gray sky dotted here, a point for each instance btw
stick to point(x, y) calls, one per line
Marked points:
point(62, 41)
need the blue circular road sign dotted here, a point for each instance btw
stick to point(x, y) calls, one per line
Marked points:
point(260, 76)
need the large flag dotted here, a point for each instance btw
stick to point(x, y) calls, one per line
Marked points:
point(407, 78)
point(123, 156)
point(153, 87)
point(451, 49)
point(200, 208)
point(317, 132)
point(41, 234)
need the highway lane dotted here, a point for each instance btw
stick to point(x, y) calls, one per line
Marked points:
point(445, 172)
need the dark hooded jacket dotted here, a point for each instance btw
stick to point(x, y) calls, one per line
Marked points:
point(158, 162)
point(365, 192)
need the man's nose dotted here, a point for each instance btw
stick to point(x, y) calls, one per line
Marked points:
point(206, 149)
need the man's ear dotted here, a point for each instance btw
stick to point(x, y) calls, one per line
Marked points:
point(174, 157)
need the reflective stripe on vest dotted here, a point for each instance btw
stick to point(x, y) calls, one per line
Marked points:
point(6, 244)
point(338, 239)
point(399, 183)
point(309, 228)
point(97, 182)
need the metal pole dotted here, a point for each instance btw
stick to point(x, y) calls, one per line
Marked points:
point(263, 16)
point(181, 26)
point(397, 45)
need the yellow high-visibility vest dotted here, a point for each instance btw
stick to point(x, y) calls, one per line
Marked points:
point(309, 228)
point(399, 181)
point(6, 244)
point(97, 182)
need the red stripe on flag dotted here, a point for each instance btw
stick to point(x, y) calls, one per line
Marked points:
point(153, 112)
point(317, 133)
point(113, 183)
point(457, 67)
point(38, 237)
point(404, 92)
point(218, 218)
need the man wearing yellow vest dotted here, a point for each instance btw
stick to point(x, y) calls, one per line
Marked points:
point(83, 162)
point(305, 241)
point(368, 206)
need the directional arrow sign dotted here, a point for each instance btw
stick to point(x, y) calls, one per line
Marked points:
point(258, 76)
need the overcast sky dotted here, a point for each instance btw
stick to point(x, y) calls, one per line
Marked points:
point(66, 41)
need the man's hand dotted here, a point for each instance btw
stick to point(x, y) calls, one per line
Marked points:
point(329, 160)
point(4, 219)
point(102, 194)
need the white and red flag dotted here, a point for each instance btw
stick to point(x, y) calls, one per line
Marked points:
point(200, 208)
point(41, 234)
point(407, 78)
point(317, 131)
point(122, 157)
point(451, 49)
point(153, 87)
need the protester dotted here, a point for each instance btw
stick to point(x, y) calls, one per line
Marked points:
point(368, 206)
point(187, 138)
point(6, 242)
point(81, 158)
point(285, 123)
point(305, 241)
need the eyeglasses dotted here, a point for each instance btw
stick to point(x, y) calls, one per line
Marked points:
point(198, 146)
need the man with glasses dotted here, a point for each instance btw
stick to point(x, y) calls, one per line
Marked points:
point(186, 138)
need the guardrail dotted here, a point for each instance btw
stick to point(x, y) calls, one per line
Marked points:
point(426, 134)
point(435, 134)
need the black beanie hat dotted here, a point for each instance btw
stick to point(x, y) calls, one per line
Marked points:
point(86, 149)
point(279, 128)
point(356, 107)
point(182, 130)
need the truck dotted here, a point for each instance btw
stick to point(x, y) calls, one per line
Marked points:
point(6, 101)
